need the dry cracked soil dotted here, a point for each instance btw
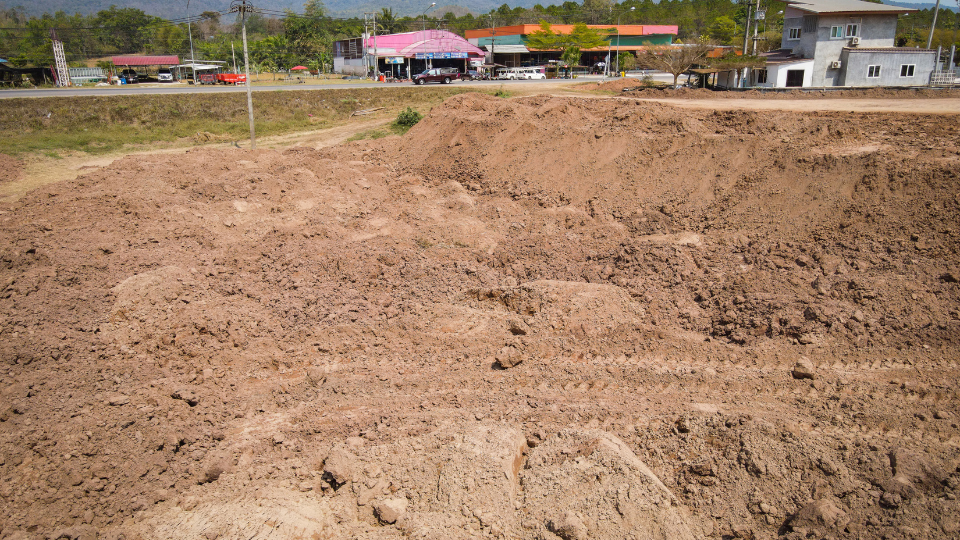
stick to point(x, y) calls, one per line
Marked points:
point(538, 318)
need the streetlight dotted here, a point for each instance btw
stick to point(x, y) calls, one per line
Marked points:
point(618, 37)
point(423, 18)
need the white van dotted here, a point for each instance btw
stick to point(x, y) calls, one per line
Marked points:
point(521, 73)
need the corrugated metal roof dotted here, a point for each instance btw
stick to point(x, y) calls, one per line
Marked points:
point(845, 6)
point(170, 60)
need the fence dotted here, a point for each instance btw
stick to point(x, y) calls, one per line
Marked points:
point(944, 78)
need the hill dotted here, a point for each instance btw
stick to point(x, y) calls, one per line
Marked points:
point(171, 10)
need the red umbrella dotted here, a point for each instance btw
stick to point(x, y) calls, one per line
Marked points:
point(296, 68)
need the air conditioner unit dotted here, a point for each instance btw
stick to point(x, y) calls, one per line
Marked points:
point(855, 40)
point(835, 64)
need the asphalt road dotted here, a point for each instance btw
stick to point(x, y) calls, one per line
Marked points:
point(179, 88)
point(176, 88)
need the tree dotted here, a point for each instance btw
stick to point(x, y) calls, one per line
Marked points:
point(736, 63)
point(673, 59)
point(569, 45)
point(723, 30)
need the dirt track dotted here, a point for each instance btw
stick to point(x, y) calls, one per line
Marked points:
point(532, 318)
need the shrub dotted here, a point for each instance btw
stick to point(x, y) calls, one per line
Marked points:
point(408, 118)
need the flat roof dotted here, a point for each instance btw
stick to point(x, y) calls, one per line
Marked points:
point(845, 6)
point(527, 29)
point(168, 60)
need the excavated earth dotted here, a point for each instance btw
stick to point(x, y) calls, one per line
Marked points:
point(535, 318)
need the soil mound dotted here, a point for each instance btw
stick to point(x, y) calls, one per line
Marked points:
point(532, 318)
point(11, 169)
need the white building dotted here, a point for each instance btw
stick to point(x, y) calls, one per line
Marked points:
point(843, 43)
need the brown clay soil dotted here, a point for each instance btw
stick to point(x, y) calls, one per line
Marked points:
point(545, 317)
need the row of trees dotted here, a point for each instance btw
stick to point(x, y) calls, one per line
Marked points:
point(284, 39)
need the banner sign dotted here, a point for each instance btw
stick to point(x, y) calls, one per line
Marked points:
point(394, 60)
point(440, 55)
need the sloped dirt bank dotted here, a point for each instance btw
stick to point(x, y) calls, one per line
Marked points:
point(533, 318)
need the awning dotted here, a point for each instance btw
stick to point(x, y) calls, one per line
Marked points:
point(507, 49)
point(145, 60)
point(198, 66)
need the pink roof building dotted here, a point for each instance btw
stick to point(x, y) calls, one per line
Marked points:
point(411, 44)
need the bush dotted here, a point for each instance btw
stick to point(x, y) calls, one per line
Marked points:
point(408, 118)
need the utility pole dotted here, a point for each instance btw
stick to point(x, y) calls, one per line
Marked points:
point(60, 60)
point(493, 44)
point(933, 27)
point(243, 7)
point(746, 29)
point(759, 15)
point(193, 59)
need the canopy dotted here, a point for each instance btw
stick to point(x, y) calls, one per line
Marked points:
point(170, 60)
point(298, 68)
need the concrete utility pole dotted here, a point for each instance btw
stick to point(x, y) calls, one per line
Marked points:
point(193, 61)
point(493, 43)
point(243, 7)
point(746, 29)
point(933, 26)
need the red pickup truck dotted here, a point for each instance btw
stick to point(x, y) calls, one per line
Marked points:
point(231, 78)
point(440, 75)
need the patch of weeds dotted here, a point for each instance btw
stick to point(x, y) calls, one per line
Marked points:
point(501, 93)
point(423, 243)
point(406, 120)
point(460, 244)
point(53, 155)
point(369, 134)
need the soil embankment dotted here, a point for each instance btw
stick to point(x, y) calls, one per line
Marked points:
point(533, 318)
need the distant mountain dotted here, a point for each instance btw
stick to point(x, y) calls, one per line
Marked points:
point(177, 9)
point(945, 4)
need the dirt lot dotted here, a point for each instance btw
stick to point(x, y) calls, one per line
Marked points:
point(541, 317)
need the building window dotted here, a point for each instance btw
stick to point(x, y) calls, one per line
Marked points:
point(853, 30)
point(873, 72)
point(794, 33)
point(761, 76)
point(906, 70)
point(836, 32)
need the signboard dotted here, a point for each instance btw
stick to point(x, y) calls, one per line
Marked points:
point(394, 59)
point(476, 62)
point(439, 55)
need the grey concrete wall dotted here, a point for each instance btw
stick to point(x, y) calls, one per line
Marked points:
point(875, 31)
point(856, 67)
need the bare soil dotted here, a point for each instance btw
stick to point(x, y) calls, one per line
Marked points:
point(544, 317)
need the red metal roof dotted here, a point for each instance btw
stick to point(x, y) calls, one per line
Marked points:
point(170, 60)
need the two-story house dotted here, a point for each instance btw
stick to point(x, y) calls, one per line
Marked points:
point(843, 43)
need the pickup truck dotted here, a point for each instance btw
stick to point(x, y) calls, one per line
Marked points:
point(231, 78)
point(439, 75)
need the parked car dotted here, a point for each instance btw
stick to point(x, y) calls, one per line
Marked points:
point(129, 75)
point(439, 75)
point(164, 75)
point(474, 75)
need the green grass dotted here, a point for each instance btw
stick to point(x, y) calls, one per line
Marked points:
point(102, 124)
point(369, 134)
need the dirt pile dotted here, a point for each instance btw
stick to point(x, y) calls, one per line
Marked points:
point(535, 318)
point(11, 169)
